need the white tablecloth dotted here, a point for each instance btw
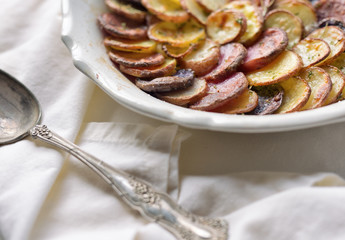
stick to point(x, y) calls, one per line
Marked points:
point(268, 186)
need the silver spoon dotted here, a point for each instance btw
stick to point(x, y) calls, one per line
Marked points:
point(20, 113)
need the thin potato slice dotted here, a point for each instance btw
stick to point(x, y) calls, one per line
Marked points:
point(121, 27)
point(144, 46)
point(127, 10)
point(231, 57)
point(177, 52)
point(339, 62)
point(182, 79)
point(225, 25)
point(335, 38)
point(221, 93)
point(212, 5)
point(296, 94)
point(165, 69)
point(270, 99)
point(202, 59)
point(312, 51)
point(286, 21)
point(185, 96)
point(130, 59)
point(254, 20)
point(338, 83)
point(320, 84)
point(194, 9)
point(272, 42)
point(178, 35)
point(245, 102)
point(330, 8)
point(303, 10)
point(284, 66)
point(166, 10)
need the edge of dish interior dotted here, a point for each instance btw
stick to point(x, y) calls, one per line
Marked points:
point(82, 36)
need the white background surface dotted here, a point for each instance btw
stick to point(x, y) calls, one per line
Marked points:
point(268, 186)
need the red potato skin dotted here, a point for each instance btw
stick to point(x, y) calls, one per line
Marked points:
point(231, 57)
point(221, 93)
point(147, 61)
point(272, 42)
point(118, 26)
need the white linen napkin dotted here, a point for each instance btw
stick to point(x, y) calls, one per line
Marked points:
point(46, 194)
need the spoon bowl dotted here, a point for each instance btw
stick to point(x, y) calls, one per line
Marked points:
point(19, 109)
point(20, 113)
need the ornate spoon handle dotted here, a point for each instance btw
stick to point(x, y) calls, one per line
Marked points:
point(139, 195)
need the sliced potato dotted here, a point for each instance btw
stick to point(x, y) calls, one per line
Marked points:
point(320, 84)
point(167, 10)
point(178, 35)
point(167, 68)
point(270, 99)
point(254, 20)
point(312, 51)
point(130, 59)
point(185, 96)
point(339, 62)
point(265, 5)
point(121, 27)
point(303, 10)
point(202, 59)
point(286, 21)
point(194, 9)
point(212, 5)
point(338, 83)
point(225, 25)
point(331, 21)
point(126, 9)
point(221, 93)
point(271, 43)
point(177, 52)
point(182, 79)
point(330, 8)
point(296, 94)
point(245, 102)
point(231, 57)
point(284, 66)
point(144, 46)
point(335, 38)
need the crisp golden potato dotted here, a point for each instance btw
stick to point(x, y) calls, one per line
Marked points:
point(178, 35)
point(284, 66)
point(338, 83)
point(271, 43)
point(231, 57)
point(166, 10)
point(339, 62)
point(185, 96)
point(270, 99)
point(312, 51)
point(118, 26)
point(320, 84)
point(286, 21)
point(296, 94)
point(144, 46)
point(182, 79)
point(254, 20)
point(177, 52)
point(194, 9)
point(126, 9)
point(212, 5)
point(303, 10)
point(335, 38)
point(222, 92)
point(167, 68)
point(203, 59)
point(225, 25)
point(245, 102)
point(130, 59)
